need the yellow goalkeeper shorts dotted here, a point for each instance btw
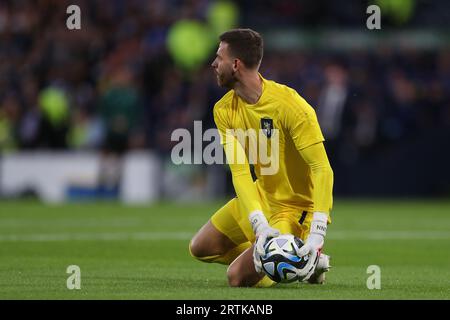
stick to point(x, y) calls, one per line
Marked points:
point(235, 225)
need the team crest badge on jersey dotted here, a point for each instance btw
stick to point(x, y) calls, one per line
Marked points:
point(267, 126)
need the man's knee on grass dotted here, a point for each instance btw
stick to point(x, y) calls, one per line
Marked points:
point(198, 252)
point(214, 256)
point(203, 253)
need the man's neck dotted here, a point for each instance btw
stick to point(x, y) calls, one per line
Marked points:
point(249, 88)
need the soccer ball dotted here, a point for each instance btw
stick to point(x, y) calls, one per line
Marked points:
point(280, 261)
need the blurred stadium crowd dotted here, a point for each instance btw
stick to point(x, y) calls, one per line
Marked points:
point(113, 85)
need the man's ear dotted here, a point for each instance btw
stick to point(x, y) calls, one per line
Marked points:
point(236, 63)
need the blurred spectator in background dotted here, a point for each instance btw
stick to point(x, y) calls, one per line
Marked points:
point(332, 100)
point(331, 105)
point(121, 111)
point(54, 125)
point(9, 117)
point(29, 127)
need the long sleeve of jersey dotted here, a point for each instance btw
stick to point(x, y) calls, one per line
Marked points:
point(322, 176)
point(301, 121)
point(240, 169)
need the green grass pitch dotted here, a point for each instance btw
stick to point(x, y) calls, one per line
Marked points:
point(141, 252)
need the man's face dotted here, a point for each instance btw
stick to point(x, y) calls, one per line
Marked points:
point(223, 67)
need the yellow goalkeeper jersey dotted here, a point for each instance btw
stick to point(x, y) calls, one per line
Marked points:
point(282, 114)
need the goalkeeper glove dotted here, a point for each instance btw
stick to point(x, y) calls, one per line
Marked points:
point(313, 244)
point(263, 232)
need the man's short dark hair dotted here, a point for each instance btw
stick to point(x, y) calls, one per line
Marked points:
point(244, 44)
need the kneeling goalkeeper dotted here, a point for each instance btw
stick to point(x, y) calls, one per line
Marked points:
point(296, 198)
